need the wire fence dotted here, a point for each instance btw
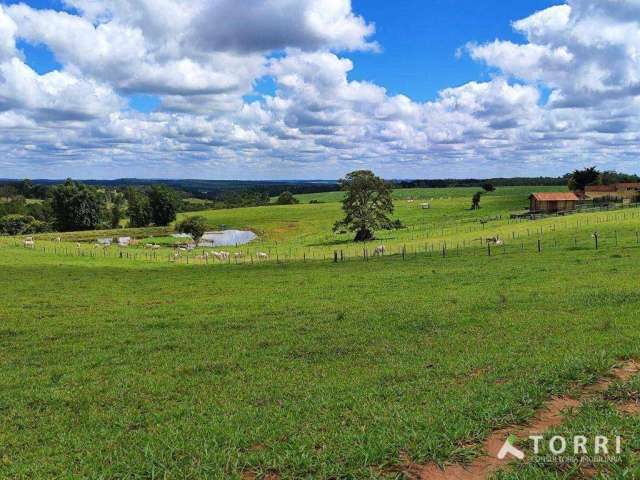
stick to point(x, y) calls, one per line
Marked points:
point(530, 242)
point(619, 229)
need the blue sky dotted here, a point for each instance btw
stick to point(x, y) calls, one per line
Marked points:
point(418, 40)
point(317, 88)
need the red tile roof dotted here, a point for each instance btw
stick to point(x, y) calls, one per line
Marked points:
point(601, 188)
point(555, 197)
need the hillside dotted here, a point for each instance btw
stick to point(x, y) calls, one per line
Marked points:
point(135, 367)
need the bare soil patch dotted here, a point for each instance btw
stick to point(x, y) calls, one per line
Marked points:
point(548, 417)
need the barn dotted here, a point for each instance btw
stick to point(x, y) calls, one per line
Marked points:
point(553, 202)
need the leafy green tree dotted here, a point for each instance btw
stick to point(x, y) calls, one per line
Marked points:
point(367, 204)
point(609, 177)
point(75, 206)
point(475, 201)
point(25, 188)
point(194, 226)
point(287, 198)
point(8, 191)
point(117, 209)
point(164, 204)
point(488, 187)
point(16, 224)
point(139, 209)
point(580, 179)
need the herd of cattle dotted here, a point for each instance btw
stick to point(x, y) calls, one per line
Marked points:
point(29, 242)
point(226, 256)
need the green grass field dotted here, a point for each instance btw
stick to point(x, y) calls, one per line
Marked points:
point(130, 368)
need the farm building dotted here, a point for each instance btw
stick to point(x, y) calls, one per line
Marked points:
point(616, 189)
point(552, 202)
point(628, 187)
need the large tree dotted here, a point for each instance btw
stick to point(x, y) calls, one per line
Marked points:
point(287, 198)
point(164, 205)
point(580, 179)
point(139, 210)
point(367, 205)
point(76, 206)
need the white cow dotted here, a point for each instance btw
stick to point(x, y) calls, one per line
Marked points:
point(379, 251)
point(29, 243)
point(262, 256)
point(495, 241)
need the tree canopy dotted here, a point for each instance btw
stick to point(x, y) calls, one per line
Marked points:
point(580, 179)
point(287, 198)
point(139, 210)
point(475, 201)
point(194, 226)
point(367, 204)
point(164, 204)
point(76, 206)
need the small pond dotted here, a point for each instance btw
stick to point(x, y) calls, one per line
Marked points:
point(226, 238)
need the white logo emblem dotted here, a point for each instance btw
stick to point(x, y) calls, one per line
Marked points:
point(509, 449)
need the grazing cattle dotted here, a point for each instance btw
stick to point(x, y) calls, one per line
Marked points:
point(238, 255)
point(78, 245)
point(425, 206)
point(29, 244)
point(58, 239)
point(262, 256)
point(379, 251)
point(495, 241)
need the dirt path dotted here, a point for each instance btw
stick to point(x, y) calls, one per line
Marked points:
point(550, 416)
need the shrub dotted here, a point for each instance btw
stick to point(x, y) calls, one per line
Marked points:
point(21, 224)
point(287, 198)
point(194, 226)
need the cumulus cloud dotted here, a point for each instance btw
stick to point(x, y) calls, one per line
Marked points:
point(278, 24)
point(8, 30)
point(568, 93)
point(586, 51)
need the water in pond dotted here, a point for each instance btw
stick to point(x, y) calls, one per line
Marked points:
point(226, 238)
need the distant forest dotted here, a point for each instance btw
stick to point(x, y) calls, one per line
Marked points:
point(223, 190)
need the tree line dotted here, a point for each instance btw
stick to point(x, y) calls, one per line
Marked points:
point(75, 206)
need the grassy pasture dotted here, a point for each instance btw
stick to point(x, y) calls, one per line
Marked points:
point(115, 369)
point(297, 230)
point(128, 368)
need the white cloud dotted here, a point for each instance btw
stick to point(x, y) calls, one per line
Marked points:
point(279, 24)
point(8, 30)
point(203, 57)
point(587, 51)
